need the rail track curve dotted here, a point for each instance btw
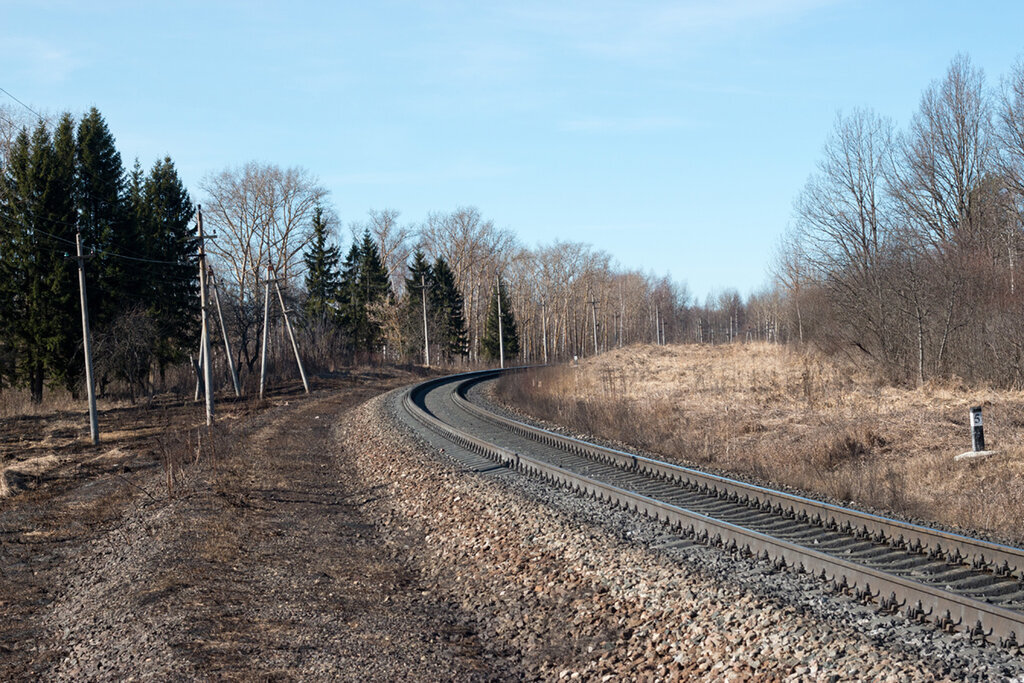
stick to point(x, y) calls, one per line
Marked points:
point(956, 582)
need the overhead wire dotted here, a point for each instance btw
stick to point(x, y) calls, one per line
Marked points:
point(38, 115)
point(58, 250)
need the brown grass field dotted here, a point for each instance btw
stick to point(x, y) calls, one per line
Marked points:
point(798, 420)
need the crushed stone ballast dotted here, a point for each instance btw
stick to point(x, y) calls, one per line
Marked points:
point(953, 581)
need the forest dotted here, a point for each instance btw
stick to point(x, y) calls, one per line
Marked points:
point(902, 254)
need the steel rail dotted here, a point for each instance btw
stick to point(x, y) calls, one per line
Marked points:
point(979, 553)
point(892, 592)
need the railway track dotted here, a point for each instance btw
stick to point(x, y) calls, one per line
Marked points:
point(954, 581)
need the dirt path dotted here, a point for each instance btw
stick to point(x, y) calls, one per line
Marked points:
point(265, 565)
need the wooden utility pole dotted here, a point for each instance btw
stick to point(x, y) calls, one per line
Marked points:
point(501, 333)
point(291, 335)
point(224, 331)
point(544, 326)
point(657, 326)
point(94, 428)
point(266, 321)
point(426, 337)
point(199, 371)
point(207, 365)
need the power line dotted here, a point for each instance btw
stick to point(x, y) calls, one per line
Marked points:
point(104, 252)
point(38, 115)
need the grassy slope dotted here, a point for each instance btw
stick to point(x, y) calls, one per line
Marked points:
point(798, 420)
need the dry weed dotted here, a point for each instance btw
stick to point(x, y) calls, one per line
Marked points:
point(798, 419)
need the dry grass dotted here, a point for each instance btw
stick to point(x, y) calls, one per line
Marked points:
point(799, 420)
point(18, 402)
point(30, 468)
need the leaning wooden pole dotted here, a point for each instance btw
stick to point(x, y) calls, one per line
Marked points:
point(426, 337)
point(291, 335)
point(544, 326)
point(199, 371)
point(94, 428)
point(224, 331)
point(266, 322)
point(501, 332)
point(207, 365)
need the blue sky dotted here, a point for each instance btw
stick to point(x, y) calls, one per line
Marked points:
point(673, 135)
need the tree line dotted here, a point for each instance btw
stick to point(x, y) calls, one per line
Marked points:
point(62, 180)
point(905, 244)
point(556, 300)
point(406, 292)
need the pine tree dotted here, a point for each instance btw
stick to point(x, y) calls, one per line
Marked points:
point(323, 280)
point(104, 225)
point(453, 337)
point(365, 286)
point(509, 334)
point(38, 223)
point(419, 284)
point(169, 240)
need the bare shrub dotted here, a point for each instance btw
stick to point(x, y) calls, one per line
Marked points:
point(125, 351)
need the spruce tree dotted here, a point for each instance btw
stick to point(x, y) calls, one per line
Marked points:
point(375, 286)
point(38, 223)
point(509, 334)
point(323, 280)
point(419, 284)
point(169, 241)
point(351, 311)
point(104, 225)
point(65, 357)
point(15, 248)
point(364, 286)
point(448, 305)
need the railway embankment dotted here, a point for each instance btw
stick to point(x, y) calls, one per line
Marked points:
point(565, 586)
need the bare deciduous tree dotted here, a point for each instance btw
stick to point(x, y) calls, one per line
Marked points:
point(844, 233)
point(945, 155)
point(261, 214)
point(476, 250)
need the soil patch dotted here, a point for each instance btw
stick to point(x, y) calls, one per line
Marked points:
point(251, 554)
